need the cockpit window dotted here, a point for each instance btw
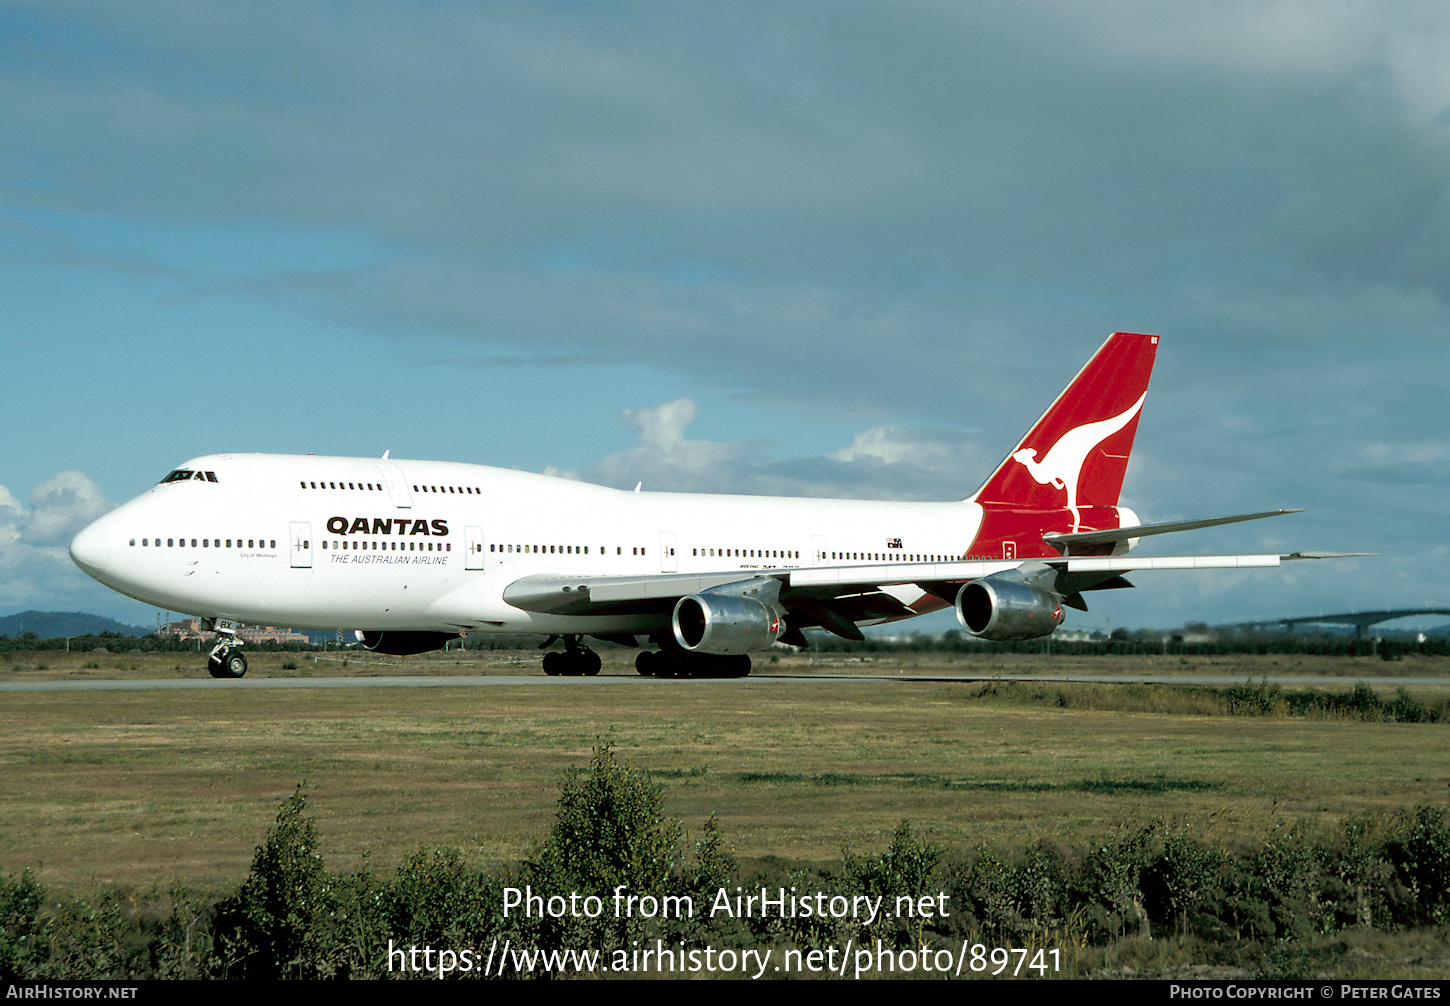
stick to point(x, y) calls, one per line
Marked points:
point(186, 474)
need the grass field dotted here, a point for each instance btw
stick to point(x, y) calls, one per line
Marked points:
point(153, 787)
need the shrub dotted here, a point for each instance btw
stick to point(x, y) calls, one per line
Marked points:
point(908, 869)
point(21, 940)
point(609, 832)
point(277, 924)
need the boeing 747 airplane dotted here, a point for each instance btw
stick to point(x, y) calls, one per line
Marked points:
point(412, 554)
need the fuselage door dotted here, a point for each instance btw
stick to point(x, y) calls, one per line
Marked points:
point(818, 550)
point(474, 538)
point(397, 485)
point(668, 562)
point(301, 535)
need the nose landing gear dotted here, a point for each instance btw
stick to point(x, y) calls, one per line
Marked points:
point(226, 659)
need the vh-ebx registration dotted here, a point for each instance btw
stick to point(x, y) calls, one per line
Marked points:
point(412, 554)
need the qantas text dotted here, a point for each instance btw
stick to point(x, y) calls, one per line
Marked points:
point(386, 525)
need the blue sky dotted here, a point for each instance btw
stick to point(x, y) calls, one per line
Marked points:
point(844, 249)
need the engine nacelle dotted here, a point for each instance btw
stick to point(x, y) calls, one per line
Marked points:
point(403, 644)
point(723, 624)
point(1001, 609)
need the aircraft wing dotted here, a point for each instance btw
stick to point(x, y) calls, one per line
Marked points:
point(805, 588)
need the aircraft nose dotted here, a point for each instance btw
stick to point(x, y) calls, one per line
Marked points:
point(91, 550)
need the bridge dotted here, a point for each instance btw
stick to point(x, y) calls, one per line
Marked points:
point(1361, 620)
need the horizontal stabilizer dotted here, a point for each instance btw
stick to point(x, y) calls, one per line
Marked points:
point(1117, 534)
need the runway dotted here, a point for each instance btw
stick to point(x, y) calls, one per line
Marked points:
point(535, 680)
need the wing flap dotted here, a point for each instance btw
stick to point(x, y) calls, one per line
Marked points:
point(557, 594)
point(886, 574)
point(1128, 563)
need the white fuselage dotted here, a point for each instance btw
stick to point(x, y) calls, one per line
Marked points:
point(328, 542)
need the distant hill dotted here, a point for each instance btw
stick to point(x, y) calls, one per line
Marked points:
point(64, 624)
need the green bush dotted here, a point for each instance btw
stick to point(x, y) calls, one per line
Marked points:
point(609, 832)
point(908, 869)
point(21, 934)
point(278, 924)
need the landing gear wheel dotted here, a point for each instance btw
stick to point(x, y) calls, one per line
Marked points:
point(227, 664)
point(669, 664)
point(576, 661)
point(644, 663)
point(235, 665)
point(230, 664)
point(665, 665)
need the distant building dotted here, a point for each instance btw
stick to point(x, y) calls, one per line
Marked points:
point(190, 628)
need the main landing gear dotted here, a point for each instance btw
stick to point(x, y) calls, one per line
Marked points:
point(668, 663)
point(227, 659)
point(575, 661)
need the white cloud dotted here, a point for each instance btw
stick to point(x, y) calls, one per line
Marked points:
point(880, 463)
point(665, 459)
point(35, 564)
point(12, 516)
point(61, 506)
point(893, 446)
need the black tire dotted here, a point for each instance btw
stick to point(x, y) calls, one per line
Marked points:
point(666, 666)
point(214, 667)
point(590, 662)
point(234, 665)
point(644, 663)
point(552, 661)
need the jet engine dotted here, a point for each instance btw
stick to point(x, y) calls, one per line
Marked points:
point(999, 608)
point(724, 624)
point(402, 644)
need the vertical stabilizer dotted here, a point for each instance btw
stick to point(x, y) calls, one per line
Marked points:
point(1077, 454)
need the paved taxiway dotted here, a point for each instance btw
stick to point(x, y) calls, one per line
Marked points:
point(515, 680)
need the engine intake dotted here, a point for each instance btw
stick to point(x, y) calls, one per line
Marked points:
point(715, 623)
point(1001, 609)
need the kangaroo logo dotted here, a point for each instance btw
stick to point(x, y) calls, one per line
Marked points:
point(1062, 467)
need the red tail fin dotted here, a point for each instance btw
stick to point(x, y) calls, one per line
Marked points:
point(1077, 453)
